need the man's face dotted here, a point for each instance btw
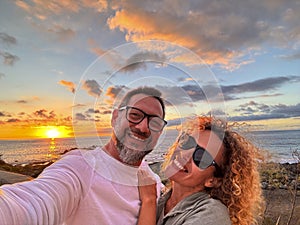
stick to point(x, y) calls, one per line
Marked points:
point(134, 141)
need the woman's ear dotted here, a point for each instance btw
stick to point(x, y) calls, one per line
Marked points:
point(213, 182)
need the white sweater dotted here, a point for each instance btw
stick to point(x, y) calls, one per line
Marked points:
point(84, 187)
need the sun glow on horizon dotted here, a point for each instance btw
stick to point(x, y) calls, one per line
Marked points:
point(53, 132)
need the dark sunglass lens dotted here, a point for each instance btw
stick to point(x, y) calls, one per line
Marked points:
point(187, 142)
point(202, 158)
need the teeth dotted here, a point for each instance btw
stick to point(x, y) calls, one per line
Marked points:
point(178, 164)
point(136, 138)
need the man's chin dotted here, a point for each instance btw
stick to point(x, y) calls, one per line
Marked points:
point(132, 156)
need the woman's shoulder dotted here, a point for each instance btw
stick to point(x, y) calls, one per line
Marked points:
point(213, 211)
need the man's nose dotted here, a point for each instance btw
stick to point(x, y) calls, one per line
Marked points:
point(143, 125)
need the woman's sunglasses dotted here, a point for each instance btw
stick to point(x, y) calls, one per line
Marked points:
point(201, 157)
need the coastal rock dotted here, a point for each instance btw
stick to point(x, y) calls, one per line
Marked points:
point(31, 169)
point(11, 178)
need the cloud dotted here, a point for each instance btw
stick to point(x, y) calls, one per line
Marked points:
point(226, 33)
point(42, 113)
point(9, 59)
point(70, 85)
point(261, 85)
point(260, 111)
point(92, 88)
point(92, 111)
point(7, 39)
point(112, 93)
point(80, 116)
point(138, 61)
point(295, 56)
point(94, 48)
point(106, 112)
point(13, 120)
point(62, 34)
point(35, 118)
point(186, 93)
point(78, 105)
point(42, 10)
point(22, 101)
point(5, 114)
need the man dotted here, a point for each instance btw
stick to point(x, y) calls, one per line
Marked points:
point(96, 186)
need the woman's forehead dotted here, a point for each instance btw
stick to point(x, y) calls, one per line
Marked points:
point(208, 140)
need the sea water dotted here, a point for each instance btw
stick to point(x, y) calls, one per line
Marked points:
point(279, 144)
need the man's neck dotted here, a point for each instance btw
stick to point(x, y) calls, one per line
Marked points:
point(111, 149)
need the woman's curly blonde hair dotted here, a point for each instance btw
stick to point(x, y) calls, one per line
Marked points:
point(240, 190)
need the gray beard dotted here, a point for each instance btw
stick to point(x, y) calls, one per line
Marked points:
point(128, 155)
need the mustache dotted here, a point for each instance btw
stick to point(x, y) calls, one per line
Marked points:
point(139, 132)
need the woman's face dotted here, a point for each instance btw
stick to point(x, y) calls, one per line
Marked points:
point(183, 169)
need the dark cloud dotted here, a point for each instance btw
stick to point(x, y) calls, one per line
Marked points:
point(188, 94)
point(42, 113)
point(22, 101)
point(261, 85)
point(7, 39)
point(92, 111)
point(106, 112)
point(9, 59)
point(231, 92)
point(140, 60)
point(80, 116)
point(79, 105)
point(5, 114)
point(295, 56)
point(13, 120)
point(92, 88)
point(260, 111)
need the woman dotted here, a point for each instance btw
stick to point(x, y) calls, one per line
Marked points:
point(214, 179)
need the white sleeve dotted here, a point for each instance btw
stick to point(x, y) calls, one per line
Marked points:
point(48, 199)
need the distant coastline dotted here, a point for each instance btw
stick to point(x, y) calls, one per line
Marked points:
point(278, 145)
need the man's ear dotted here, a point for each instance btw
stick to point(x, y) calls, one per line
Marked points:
point(114, 117)
point(213, 182)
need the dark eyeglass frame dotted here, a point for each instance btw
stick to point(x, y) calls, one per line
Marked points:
point(199, 153)
point(149, 117)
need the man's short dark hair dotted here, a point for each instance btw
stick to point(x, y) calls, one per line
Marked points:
point(150, 91)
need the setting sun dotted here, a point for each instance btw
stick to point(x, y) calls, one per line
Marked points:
point(53, 133)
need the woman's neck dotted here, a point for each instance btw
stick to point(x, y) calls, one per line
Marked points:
point(179, 192)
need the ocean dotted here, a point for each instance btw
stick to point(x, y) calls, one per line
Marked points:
point(279, 144)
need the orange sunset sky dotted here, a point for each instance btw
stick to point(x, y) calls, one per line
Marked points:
point(63, 63)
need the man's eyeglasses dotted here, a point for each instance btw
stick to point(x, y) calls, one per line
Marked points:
point(201, 157)
point(135, 115)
